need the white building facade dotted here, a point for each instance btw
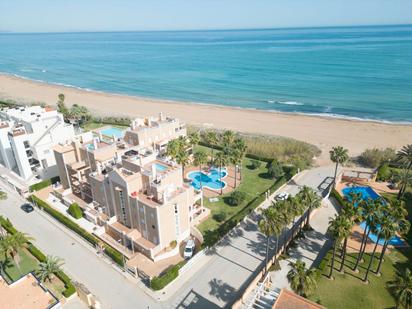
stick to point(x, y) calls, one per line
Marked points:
point(27, 137)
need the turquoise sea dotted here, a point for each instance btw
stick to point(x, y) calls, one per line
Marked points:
point(361, 72)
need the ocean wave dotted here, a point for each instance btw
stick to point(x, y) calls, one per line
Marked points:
point(285, 102)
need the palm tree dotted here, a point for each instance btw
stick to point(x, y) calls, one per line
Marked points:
point(345, 230)
point(265, 227)
point(240, 146)
point(200, 158)
point(402, 287)
point(49, 268)
point(211, 139)
point(378, 225)
point(11, 244)
point(284, 215)
point(302, 280)
point(338, 155)
point(221, 160)
point(310, 199)
point(3, 195)
point(236, 160)
point(228, 138)
point(295, 209)
point(368, 209)
point(337, 226)
point(194, 138)
point(405, 156)
point(182, 158)
point(403, 180)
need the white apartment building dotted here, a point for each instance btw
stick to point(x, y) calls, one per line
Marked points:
point(27, 137)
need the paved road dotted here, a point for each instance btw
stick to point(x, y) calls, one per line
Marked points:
point(217, 284)
point(81, 263)
point(234, 264)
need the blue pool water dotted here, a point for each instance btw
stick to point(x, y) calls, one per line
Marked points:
point(210, 180)
point(118, 133)
point(368, 193)
point(160, 167)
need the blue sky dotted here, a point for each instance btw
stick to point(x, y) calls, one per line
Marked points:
point(117, 15)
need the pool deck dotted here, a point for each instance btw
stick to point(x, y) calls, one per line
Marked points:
point(229, 180)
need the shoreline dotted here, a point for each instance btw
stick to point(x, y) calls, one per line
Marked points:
point(321, 131)
point(148, 99)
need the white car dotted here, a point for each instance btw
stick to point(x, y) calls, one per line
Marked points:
point(282, 196)
point(189, 249)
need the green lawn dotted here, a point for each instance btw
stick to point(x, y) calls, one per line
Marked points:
point(348, 291)
point(253, 183)
point(26, 264)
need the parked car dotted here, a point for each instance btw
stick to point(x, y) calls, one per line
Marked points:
point(189, 249)
point(27, 208)
point(282, 196)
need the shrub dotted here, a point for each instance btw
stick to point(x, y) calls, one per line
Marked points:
point(115, 255)
point(173, 244)
point(384, 172)
point(290, 171)
point(220, 217)
point(375, 157)
point(43, 184)
point(275, 169)
point(75, 211)
point(255, 164)
point(158, 283)
point(236, 198)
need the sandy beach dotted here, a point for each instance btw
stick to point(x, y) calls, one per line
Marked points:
point(323, 132)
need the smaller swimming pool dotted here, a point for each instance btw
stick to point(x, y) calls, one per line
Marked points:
point(369, 193)
point(210, 180)
point(160, 167)
point(112, 131)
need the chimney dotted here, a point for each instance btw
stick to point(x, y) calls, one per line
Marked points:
point(160, 116)
point(95, 143)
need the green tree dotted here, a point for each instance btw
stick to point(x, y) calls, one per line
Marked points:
point(227, 138)
point(404, 156)
point(221, 160)
point(61, 106)
point(49, 267)
point(194, 138)
point(240, 146)
point(302, 280)
point(275, 169)
point(266, 228)
point(200, 158)
point(403, 179)
point(11, 244)
point(212, 139)
point(338, 155)
point(310, 199)
point(75, 211)
point(402, 287)
point(236, 159)
point(337, 228)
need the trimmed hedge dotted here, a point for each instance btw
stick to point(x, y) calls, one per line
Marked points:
point(69, 287)
point(158, 283)
point(43, 184)
point(75, 211)
point(112, 253)
point(338, 197)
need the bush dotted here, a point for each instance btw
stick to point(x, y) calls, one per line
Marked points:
point(75, 211)
point(275, 169)
point(220, 217)
point(290, 171)
point(375, 157)
point(43, 184)
point(384, 172)
point(115, 255)
point(173, 244)
point(255, 164)
point(236, 198)
point(158, 283)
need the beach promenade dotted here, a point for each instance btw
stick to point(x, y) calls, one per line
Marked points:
point(320, 131)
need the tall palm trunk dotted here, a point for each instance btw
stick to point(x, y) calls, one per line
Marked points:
point(235, 175)
point(200, 174)
point(220, 179)
point(343, 256)
point(308, 218)
point(336, 173)
point(333, 259)
point(362, 247)
point(267, 254)
point(385, 245)
point(371, 260)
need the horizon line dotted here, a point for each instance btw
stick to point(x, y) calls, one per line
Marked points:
point(205, 30)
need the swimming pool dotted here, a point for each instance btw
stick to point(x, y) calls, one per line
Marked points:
point(210, 180)
point(160, 167)
point(369, 193)
point(110, 132)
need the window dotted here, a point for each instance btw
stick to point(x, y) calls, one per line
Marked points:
point(153, 226)
point(26, 144)
point(122, 205)
point(44, 163)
